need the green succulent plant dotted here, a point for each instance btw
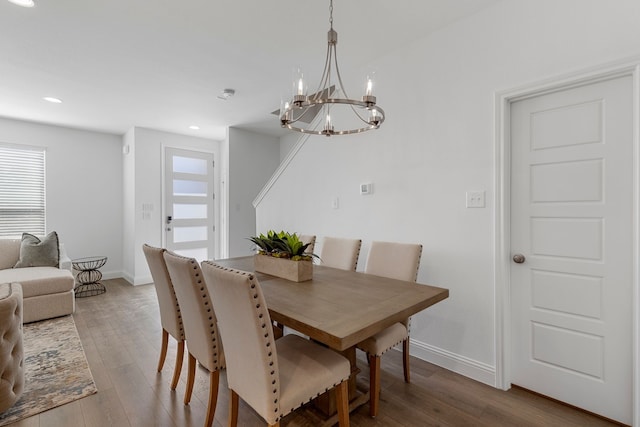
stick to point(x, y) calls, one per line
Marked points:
point(282, 245)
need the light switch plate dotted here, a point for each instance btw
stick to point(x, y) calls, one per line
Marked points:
point(475, 199)
point(365, 189)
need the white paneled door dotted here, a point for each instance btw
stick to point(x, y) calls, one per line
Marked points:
point(189, 221)
point(571, 243)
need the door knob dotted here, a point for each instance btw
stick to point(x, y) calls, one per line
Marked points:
point(518, 258)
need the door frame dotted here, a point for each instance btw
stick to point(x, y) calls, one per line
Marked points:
point(502, 204)
point(216, 190)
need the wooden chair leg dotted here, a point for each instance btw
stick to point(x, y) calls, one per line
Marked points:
point(191, 376)
point(405, 360)
point(163, 349)
point(214, 379)
point(233, 408)
point(342, 402)
point(178, 368)
point(374, 384)
point(278, 330)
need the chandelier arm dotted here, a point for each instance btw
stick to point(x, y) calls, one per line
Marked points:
point(358, 114)
point(325, 81)
point(335, 54)
point(325, 73)
point(364, 120)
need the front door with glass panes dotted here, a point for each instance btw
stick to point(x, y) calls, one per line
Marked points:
point(188, 221)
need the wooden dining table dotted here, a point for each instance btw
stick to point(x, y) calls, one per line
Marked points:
point(340, 308)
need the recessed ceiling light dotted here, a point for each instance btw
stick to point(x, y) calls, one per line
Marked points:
point(23, 3)
point(52, 99)
point(194, 127)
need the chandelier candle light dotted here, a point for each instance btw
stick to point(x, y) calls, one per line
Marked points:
point(366, 110)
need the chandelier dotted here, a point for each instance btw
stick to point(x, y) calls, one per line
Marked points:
point(302, 108)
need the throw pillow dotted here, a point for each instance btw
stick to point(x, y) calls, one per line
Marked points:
point(39, 253)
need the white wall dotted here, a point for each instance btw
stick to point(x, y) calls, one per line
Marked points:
point(83, 187)
point(436, 144)
point(143, 176)
point(252, 160)
point(287, 142)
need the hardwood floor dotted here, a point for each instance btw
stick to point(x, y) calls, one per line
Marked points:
point(121, 335)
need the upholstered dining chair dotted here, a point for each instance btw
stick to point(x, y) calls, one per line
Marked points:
point(12, 360)
point(340, 253)
point(170, 317)
point(395, 261)
point(275, 377)
point(200, 326)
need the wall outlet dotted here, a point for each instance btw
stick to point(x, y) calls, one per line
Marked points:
point(475, 199)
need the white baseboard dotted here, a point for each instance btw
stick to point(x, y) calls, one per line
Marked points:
point(142, 280)
point(111, 275)
point(454, 362)
point(126, 276)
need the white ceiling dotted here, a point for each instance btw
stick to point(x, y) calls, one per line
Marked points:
point(161, 63)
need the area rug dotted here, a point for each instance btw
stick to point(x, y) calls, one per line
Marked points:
point(56, 369)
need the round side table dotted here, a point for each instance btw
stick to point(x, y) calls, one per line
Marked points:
point(89, 276)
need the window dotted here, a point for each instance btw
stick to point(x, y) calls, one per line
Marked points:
point(22, 198)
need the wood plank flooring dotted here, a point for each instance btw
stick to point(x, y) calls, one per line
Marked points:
point(121, 334)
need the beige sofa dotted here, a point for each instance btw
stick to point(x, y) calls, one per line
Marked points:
point(47, 291)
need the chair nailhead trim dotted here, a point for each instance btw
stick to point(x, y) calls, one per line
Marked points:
point(260, 315)
point(196, 277)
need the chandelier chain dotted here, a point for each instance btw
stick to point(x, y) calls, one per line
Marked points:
point(331, 14)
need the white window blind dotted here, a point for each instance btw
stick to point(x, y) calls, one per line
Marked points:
point(22, 190)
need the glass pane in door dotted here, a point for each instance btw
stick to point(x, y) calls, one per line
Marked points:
point(188, 234)
point(189, 165)
point(200, 254)
point(183, 187)
point(189, 211)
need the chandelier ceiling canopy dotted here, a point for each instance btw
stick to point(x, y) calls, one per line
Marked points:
point(298, 112)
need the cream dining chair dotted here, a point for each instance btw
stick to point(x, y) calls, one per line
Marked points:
point(274, 377)
point(200, 325)
point(340, 253)
point(395, 261)
point(170, 317)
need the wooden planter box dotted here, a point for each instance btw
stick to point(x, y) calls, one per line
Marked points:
point(296, 271)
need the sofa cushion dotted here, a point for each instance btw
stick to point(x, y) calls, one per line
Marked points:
point(9, 252)
point(43, 307)
point(39, 253)
point(39, 280)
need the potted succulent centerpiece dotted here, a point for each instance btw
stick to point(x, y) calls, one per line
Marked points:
point(283, 255)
